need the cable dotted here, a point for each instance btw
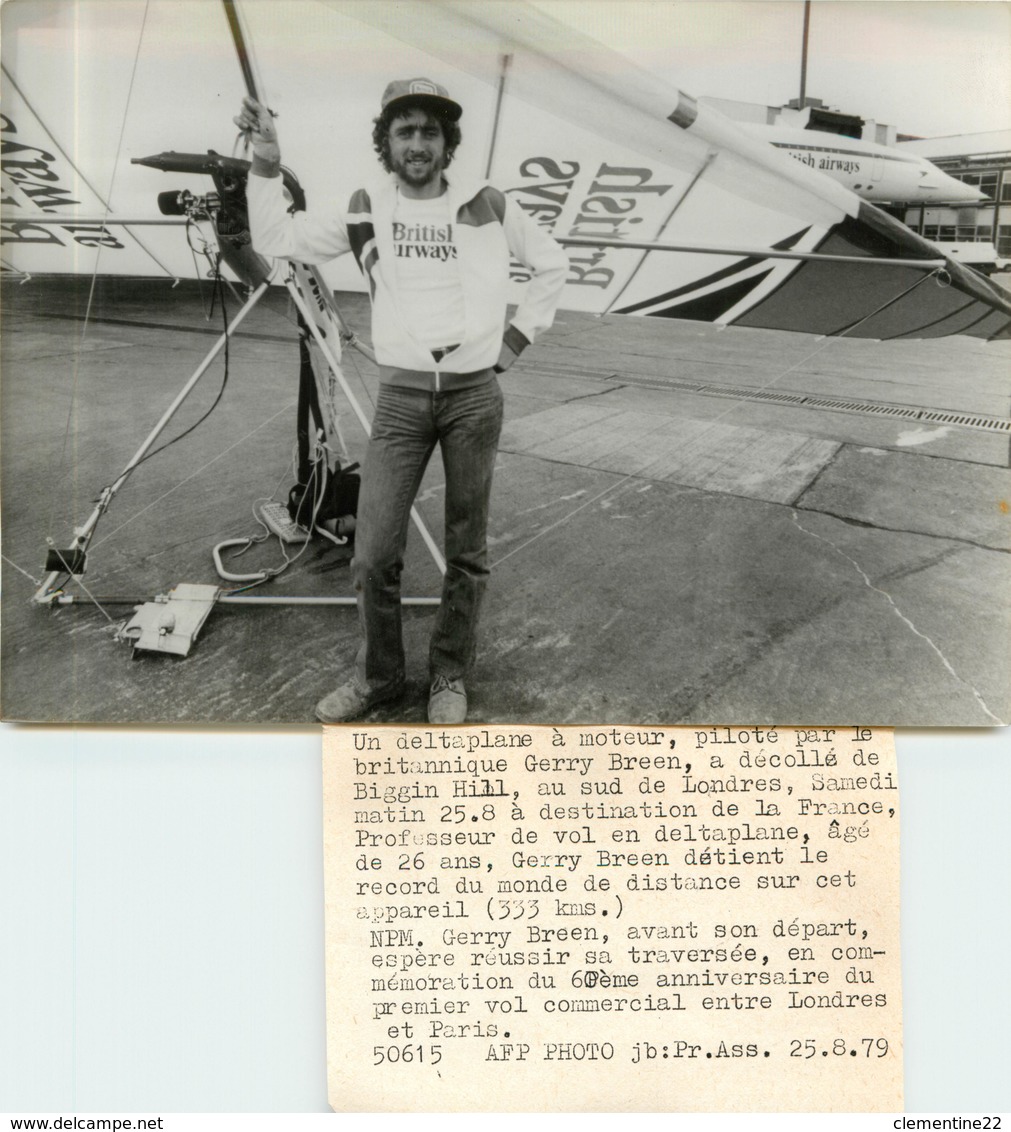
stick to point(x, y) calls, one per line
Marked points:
point(35, 581)
point(115, 162)
point(255, 540)
point(220, 292)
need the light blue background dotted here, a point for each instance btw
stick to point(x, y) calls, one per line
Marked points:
point(161, 920)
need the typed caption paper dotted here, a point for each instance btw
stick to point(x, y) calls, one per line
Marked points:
point(612, 919)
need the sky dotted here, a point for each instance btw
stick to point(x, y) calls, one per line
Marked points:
point(929, 68)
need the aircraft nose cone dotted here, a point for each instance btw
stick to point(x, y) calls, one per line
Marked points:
point(959, 190)
point(950, 191)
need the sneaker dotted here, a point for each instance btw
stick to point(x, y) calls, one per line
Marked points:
point(447, 701)
point(349, 702)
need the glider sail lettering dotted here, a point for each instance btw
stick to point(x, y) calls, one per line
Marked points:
point(587, 144)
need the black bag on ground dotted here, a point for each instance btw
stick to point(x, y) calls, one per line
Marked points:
point(336, 492)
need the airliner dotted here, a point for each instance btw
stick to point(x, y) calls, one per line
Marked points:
point(875, 172)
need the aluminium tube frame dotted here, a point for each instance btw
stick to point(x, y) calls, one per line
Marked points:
point(83, 534)
point(48, 593)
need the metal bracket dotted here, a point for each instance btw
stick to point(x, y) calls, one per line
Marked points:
point(171, 622)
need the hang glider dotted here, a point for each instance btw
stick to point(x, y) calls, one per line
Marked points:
point(668, 208)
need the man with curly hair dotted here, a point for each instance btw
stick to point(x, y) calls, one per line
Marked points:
point(435, 251)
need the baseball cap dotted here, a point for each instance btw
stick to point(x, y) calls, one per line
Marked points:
point(425, 91)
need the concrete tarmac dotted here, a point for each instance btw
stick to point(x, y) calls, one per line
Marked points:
point(689, 525)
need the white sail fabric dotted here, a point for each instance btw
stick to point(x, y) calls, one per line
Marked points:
point(590, 146)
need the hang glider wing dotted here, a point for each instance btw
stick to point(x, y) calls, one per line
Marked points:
point(583, 141)
point(55, 219)
point(601, 150)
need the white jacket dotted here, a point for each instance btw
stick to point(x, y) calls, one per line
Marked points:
point(489, 226)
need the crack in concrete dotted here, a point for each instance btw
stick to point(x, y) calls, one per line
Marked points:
point(832, 460)
point(868, 525)
point(902, 617)
point(597, 393)
point(725, 493)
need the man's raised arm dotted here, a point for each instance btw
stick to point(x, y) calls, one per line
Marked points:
point(303, 236)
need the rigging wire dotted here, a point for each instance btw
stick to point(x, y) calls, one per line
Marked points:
point(61, 471)
point(35, 581)
point(193, 475)
point(90, 596)
point(115, 163)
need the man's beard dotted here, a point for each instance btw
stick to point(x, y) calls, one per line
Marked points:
point(418, 174)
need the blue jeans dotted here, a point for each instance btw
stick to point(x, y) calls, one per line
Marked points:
point(408, 423)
